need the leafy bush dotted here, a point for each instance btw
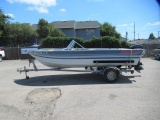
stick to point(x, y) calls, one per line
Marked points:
point(110, 42)
point(102, 42)
point(59, 42)
point(125, 44)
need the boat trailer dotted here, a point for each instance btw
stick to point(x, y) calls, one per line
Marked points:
point(110, 73)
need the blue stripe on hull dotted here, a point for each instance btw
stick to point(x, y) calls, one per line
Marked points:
point(84, 57)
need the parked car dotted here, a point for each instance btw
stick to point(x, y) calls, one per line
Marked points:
point(2, 54)
point(156, 53)
point(35, 45)
point(136, 46)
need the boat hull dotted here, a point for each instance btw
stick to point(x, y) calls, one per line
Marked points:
point(88, 58)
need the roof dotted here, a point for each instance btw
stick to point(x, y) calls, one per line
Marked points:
point(137, 41)
point(155, 41)
point(76, 25)
point(63, 24)
point(87, 24)
point(123, 38)
point(73, 24)
point(152, 42)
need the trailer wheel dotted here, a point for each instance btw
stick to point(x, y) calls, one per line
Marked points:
point(111, 75)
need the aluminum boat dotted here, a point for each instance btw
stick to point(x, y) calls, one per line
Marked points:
point(87, 57)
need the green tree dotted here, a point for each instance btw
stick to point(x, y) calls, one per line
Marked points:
point(151, 36)
point(107, 29)
point(55, 32)
point(45, 29)
point(3, 21)
point(19, 34)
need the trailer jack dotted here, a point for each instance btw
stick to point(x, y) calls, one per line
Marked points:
point(25, 70)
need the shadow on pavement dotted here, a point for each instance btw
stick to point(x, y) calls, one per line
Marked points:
point(71, 79)
point(155, 59)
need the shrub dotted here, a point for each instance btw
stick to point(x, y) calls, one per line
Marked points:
point(59, 42)
point(102, 42)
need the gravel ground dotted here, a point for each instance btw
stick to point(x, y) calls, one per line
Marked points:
point(71, 94)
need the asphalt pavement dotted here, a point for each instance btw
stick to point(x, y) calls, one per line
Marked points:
point(75, 94)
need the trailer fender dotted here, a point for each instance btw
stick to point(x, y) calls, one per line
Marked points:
point(118, 70)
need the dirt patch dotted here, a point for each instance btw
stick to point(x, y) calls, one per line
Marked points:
point(43, 95)
point(112, 96)
point(39, 104)
point(10, 113)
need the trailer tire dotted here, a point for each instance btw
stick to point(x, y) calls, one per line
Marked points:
point(0, 58)
point(111, 75)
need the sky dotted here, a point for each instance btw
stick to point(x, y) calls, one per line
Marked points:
point(123, 14)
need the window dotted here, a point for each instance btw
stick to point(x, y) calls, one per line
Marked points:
point(89, 31)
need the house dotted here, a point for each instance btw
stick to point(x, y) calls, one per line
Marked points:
point(87, 29)
point(146, 41)
point(83, 29)
point(67, 27)
point(122, 38)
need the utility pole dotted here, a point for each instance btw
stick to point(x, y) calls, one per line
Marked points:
point(138, 36)
point(134, 31)
point(158, 34)
point(126, 36)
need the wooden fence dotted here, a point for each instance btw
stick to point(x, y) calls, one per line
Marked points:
point(14, 53)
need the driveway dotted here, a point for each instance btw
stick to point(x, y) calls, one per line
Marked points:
point(72, 94)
